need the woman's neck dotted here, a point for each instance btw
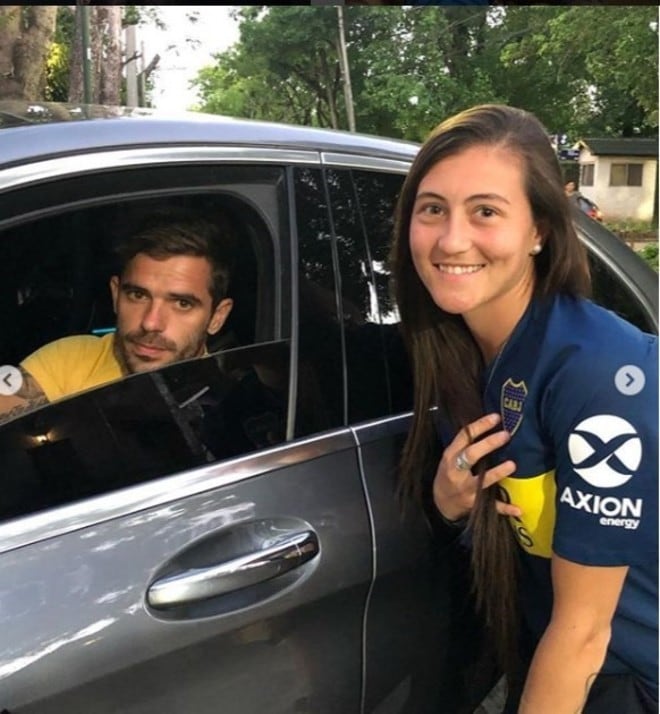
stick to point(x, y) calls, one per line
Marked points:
point(492, 327)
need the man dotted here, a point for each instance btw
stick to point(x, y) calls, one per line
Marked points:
point(170, 293)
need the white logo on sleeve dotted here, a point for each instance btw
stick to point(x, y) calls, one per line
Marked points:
point(605, 450)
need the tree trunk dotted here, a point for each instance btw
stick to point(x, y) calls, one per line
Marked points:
point(76, 67)
point(25, 37)
point(105, 53)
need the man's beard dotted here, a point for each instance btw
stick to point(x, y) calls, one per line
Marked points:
point(131, 363)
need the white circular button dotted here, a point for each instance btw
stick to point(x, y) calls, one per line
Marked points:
point(630, 380)
point(11, 380)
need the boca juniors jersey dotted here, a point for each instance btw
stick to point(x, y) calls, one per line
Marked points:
point(577, 388)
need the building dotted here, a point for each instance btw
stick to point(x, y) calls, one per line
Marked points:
point(621, 176)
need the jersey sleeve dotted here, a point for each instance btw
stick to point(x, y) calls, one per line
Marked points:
point(45, 365)
point(601, 411)
point(60, 367)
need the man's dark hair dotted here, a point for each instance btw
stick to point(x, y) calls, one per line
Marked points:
point(181, 232)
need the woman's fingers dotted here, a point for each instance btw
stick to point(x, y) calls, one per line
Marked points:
point(497, 473)
point(507, 509)
point(484, 446)
point(475, 429)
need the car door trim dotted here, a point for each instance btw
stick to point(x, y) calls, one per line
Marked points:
point(36, 527)
point(77, 164)
point(369, 163)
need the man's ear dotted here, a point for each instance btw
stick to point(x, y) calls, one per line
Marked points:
point(114, 289)
point(220, 314)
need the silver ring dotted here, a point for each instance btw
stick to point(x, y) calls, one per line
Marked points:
point(462, 464)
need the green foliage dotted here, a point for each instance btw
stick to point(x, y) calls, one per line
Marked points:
point(577, 68)
point(631, 225)
point(650, 254)
point(58, 61)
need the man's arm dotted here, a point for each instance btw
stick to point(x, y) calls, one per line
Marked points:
point(573, 647)
point(28, 397)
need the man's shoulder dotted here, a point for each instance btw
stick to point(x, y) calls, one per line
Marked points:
point(71, 364)
point(72, 344)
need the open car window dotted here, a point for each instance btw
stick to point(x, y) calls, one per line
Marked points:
point(145, 426)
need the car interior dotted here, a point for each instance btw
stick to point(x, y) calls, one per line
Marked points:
point(54, 278)
point(54, 283)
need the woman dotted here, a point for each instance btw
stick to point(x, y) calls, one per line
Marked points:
point(547, 415)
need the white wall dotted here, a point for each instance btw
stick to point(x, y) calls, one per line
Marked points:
point(621, 202)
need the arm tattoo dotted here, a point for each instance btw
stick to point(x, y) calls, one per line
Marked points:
point(590, 680)
point(31, 396)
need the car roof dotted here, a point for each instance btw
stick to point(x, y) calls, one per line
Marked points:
point(31, 132)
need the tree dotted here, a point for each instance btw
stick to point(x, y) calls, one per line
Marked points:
point(58, 61)
point(578, 68)
point(583, 70)
point(285, 66)
point(105, 46)
point(25, 37)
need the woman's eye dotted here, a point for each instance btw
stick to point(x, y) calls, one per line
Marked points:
point(486, 212)
point(430, 209)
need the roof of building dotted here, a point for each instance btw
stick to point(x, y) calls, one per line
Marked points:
point(621, 147)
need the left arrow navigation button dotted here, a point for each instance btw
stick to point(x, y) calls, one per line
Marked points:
point(11, 380)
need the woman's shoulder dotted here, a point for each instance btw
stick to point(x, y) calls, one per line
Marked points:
point(581, 327)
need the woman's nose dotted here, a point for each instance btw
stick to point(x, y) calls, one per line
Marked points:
point(454, 234)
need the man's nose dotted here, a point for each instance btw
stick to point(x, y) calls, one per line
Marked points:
point(153, 317)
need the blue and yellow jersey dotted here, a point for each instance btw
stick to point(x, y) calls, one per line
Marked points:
point(577, 387)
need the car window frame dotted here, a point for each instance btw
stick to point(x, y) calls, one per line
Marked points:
point(64, 518)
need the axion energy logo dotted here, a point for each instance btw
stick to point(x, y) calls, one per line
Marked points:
point(605, 450)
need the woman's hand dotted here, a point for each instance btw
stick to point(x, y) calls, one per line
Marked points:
point(454, 488)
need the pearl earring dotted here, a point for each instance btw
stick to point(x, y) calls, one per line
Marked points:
point(536, 249)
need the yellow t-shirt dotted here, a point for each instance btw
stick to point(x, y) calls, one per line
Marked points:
point(73, 364)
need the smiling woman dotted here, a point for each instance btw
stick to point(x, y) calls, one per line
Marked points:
point(472, 241)
point(491, 281)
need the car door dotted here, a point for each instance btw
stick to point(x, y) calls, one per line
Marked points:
point(166, 544)
point(417, 603)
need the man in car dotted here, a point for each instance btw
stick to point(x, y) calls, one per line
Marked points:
point(170, 293)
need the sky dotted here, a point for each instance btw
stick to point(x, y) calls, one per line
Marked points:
point(215, 30)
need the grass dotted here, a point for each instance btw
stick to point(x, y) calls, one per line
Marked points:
point(650, 254)
point(631, 225)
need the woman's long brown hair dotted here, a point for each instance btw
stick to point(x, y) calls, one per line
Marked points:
point(447, 364)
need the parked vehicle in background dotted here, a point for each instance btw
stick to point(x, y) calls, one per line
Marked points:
point(588, 207)
point(153, 561)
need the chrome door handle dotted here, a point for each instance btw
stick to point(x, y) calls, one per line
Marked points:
point(202, 583)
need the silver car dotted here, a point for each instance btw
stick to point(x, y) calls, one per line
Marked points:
point(224, 535)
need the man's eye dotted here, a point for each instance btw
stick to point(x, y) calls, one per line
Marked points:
point(184, 304)
point(135, 294)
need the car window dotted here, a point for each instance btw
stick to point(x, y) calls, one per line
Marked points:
point(147, 426)
point(320, 388)
point(611, 291)
point(377, 194)
point(55, 283)
point(54, 277)
point(347, 313)
point(362, 214)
